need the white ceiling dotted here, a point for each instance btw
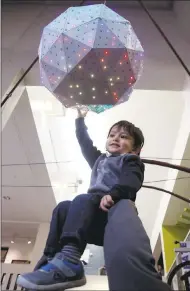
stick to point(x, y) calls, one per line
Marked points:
point(38, 167)
point(20, 147)
point(164, 4)
point(22, 29)
point(16, 230)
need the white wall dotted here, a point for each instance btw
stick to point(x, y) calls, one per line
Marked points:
point(20, 250)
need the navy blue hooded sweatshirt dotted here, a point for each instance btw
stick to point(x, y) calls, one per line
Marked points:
point(121, 176)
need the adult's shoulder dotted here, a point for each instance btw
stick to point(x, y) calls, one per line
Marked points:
point(134, 159)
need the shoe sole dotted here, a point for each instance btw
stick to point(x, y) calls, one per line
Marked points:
point(22, 282)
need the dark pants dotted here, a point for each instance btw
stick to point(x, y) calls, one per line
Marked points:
point(128, 256)
point(80, 220)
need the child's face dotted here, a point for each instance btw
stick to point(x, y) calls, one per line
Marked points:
point(119, 141)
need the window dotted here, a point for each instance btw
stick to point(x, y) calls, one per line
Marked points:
point(4, 251)
point(20, 262)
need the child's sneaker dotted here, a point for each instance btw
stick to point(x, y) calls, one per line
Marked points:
point(57, 274)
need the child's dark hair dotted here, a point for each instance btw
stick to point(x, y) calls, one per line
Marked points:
point(133, 131)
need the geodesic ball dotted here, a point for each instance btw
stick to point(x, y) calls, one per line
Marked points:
point(90, 56)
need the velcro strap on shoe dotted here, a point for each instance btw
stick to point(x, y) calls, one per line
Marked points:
point(63, 267)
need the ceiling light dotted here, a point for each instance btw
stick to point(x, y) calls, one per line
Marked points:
point(29, 242)
point(12, 242)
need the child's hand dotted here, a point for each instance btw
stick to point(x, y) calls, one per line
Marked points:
point(82, 112)
point(106, 203)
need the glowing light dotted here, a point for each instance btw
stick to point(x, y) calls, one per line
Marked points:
point(106, 46)
point(131, 78)
point(29, 242)
point(12, 242)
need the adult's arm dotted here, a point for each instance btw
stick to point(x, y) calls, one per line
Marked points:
point(132, 176)
point(89, 151)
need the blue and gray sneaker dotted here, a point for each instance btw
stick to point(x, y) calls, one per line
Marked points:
point(57, 274)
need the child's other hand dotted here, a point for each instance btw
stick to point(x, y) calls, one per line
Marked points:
point(106, 203)
point(82, 112)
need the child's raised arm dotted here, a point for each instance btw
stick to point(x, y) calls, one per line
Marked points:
point(90, 152)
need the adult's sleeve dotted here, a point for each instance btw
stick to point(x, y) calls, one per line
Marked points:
point(131, 179)
point(89, 151)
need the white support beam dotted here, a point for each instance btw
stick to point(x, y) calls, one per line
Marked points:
point(11, 103)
